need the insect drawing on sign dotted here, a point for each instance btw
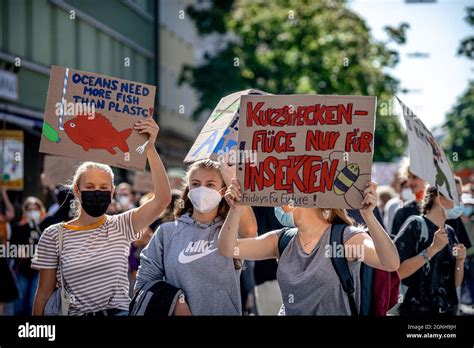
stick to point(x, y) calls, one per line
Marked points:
point(347, 179)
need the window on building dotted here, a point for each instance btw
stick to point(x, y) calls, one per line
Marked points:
point(65, 38)
point(41, 40)
point(87, 46)
point(141, 68)
point(17, 34)
point(105, 54)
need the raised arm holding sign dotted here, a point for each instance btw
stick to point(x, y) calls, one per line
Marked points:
point(319, 236)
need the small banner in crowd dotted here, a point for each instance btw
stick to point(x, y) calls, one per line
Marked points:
point(143, 182)
point(90, 117)
point(220, 132)
point(305, 150)
point(427, 159)
point(11, 152)
point(59, 170)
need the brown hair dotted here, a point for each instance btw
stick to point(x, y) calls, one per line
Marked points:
point(458, 180)
point(385, 193)
point(168, 214)
point(334, 216)
point(184, 205)
point(430, 195)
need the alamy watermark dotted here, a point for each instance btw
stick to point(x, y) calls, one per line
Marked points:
point(237, 156)
point(73, 109)
point(351, 251)
point(14, 251)
point(37, 331)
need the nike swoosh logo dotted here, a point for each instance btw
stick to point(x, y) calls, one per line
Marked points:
point(190, 258)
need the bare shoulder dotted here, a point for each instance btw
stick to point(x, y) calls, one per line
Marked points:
point(356, 234)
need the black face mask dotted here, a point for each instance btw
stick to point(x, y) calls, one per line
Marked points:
point(95, 203)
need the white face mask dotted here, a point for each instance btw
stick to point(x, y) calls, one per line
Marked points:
point(34, 216)
point(204, 199)
point(454, 212)
point(406, 194)
point(124, 201)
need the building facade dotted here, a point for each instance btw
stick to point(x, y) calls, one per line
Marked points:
point(140, 40)
point(177, 47)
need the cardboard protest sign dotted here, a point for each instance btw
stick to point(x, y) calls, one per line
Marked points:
point(142, 182)
point(427, 159)
point(176, 178)
point(59, 170)
point(11, 157)
point(305, 150)
point(219, 134)
point(90, 117)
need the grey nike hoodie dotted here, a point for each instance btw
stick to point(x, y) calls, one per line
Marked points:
point(184, 254)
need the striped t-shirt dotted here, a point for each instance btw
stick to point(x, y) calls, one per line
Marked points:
point(94, 261)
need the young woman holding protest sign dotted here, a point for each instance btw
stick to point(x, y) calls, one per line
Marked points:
point(181, 262)
point(432, 259)
point(307, 264)
point(88, 254)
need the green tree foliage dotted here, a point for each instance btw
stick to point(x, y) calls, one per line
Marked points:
point(298, 46)
point(466, 48)
point(460, 120)
point(460, 127)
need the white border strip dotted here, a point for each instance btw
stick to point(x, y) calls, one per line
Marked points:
point(63, 99)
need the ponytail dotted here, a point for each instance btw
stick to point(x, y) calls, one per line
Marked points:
point(337, 216)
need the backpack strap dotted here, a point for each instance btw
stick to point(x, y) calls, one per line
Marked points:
point(424, 227)
point(65, 297)
point(341, 266)
point(285, 237)
point(60, 250)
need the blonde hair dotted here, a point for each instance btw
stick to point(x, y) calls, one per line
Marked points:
point(184, 205)
point(33, 201)
point(76, 180)
point(84, 167)
point(125, 185)
point(404, 169)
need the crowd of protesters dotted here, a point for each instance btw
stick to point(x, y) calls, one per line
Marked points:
point(220, 258)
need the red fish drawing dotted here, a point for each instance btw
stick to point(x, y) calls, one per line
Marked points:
point(96, 133)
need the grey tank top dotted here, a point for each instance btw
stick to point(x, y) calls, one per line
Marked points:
point(308, 282)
